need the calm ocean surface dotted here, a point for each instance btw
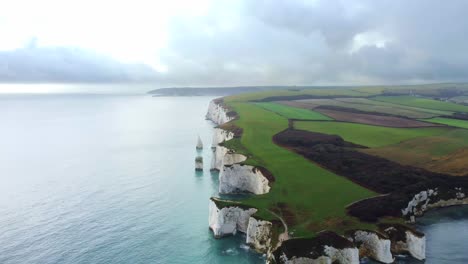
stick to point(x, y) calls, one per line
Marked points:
point(110, 179)
point(107, 179)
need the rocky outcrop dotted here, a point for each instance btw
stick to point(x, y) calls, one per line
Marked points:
point(221, 135)
point(405, 240)
point(372, 245)
point(327, 247)
point(228, 220)
point(433, 198)
point(218, 113)
point(218, 158)
point(239, 178)
point(199, 164)
point(259, 235)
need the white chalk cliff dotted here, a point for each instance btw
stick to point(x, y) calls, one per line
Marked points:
point(228, 220)
point(259, 235)
point(242, 178)
point(217, 113)
point(373, 245)
point(429, 199)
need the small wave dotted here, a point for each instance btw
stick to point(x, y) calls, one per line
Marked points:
point(230, 252)
point(244, 247)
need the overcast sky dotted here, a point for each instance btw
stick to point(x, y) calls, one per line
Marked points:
point(228, 43)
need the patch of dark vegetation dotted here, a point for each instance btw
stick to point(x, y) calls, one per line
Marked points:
point(301, 97)
point(304, 139)
point(266, 173)
point(461, 116)
point(311, 247)
point(400, 182)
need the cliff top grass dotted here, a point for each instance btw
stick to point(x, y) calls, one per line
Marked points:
point(307, 196)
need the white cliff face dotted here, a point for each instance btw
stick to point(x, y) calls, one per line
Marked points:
point(221, 135)
point(233, 158)
point(228, 220)
point(242, 178)
point(373, 246)
point(301, 260)
point(217, 113)
point(259, 234)
point(218, 158)
point(415, 245)
point(427, 200)
point(406, 241)
point(330, 255)
point(345, 255)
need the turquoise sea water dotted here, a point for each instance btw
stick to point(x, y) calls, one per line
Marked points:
point(110, 179)
point(107, 179)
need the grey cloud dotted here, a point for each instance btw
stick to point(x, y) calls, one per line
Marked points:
point(67, 64)
point(290, 42)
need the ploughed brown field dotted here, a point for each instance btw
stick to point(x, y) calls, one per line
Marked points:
point(372, 119)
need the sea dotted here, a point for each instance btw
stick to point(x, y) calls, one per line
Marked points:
point(109, 178)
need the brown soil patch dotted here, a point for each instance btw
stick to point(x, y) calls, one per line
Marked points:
point(371, 119)
point(286, 213)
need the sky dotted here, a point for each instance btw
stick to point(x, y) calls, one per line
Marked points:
point(233, 43)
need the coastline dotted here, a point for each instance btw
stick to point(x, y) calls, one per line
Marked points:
point(379, 245)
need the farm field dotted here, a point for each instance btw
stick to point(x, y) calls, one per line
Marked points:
point(449, 122)
point(422, 103)
point(330, 149)
point(369, 106)
point(373, 119)
point(368, 135)
point(295, 177)
point(293, 112)
point(445, 153)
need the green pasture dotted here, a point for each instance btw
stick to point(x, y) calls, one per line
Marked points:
point(448, 122)
point(293, 112)
point(368, 135)
point(316, 196)
point(422, 103)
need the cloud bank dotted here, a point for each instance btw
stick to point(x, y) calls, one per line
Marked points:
point(270, 42)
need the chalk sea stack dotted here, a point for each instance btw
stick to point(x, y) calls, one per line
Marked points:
point(199, 163)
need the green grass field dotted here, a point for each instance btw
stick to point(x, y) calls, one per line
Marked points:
point(448, 121)
point(422, 103)
point(293, 112)
point(367, 135)
point(316, 196)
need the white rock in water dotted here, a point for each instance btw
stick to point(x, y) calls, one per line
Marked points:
point(228, 220)
point(199, 143)
point(242, 178)
point(198, 163)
